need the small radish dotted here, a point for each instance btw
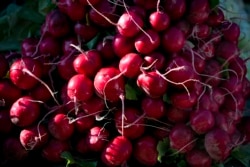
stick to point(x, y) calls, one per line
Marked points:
point(50, 45)
point(177, 115)
point(25, 111)
point(23, 72)
point(230, 31)
point(159, 21)
point(175, 8)
point(65, 67)
point(60, 127)
point(94, 105)
point(157, 59)
point(184, 100)
point(215, 17)
point(153, 107)
point(83, 122)
point(111, 154)
point(198, 158)
point(123, 45)
point(85, 31)
point(80, 145)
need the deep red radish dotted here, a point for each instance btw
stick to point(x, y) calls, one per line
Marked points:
point(233, 116)
point(89, 2)
point(215, 17)
point(129, 24)
point(109, 84)
point(198, 11)
point(173, 39)
point(157, 59)
point(97, 138)
point(153, 107)
point(223, 122)
point(60, 127)
point(13, 150)
point(65, 67)
point(106, 50)
point(83, 122)
point(53, 149)
point(184, 100)
point(159, 21)
point(161, 132)
point(80, 87)
point(123, 45)
point(175, 8)
point(207, 102)
point(218, 144)
point(230, 31)
point(111, 154)
point(147, 5)
point(206, 50)
point(108, 14)
point(6, 125)
point(182, 138)
point(29, 47)
point(180, 73)
point(184, 26)
point(88, 63)
point(238, 65)
point(67, 48)
point(49, 45)
point(85, 31)
point(67, 103)
point(212, 73)
point(138, 10)
point(198, 158)
point(74, 9)
point(227, 50)
point(23, 72)
point(94, 105)
point(147, 42)
point(34, 137)
point(130, 65)
point(145, 150)
point(133, 124)
point(235, 102)
point(201, 31)
point(80, 145)
point(58, 24)
point(40, 93)
point(202, 121)
point(9, 92)
point(152, 84)
point(177, 115)
point(232, 84)
point(24, 111)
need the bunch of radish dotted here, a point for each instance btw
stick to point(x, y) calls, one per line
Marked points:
point(108, 80)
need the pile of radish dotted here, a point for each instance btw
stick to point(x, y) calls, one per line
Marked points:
point(108, 80)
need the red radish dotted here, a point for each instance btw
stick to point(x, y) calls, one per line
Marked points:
point(81, 145)
point(173, 39)
point(88, 63)
point(215, 17)
point(34, 137)
point(206, 50)
point(84, 122)
point(159, 21)
point(178, 141)
point(24, 71)
point(153, 107)
point(25, 111)
point(157, 59)
point(175, 8)
point(202, 121)
point(29, 47)
point(60, 127)
point(147, 5)
point(232, 84)
point(223, 122)
point(152, 84)
point(227, 50)
point(177, 115)
point(111, 154)
point(80, 87)
point(57, 23)
point(94, 105)
point(109, 83)
point(49, 45)
point(53, 149)
point(198, 158)
point(40, 93)
point(230, 31)
point(85, 31)
point(133, 126)
point(6, 125)
point(145, 150)
point(67, 48)
point(212, 73)
point(65, 67)
point(238, 65)
point(218, 144)
point(184, 100)
point(207, 102)
point(123, 45)
point(105, 48)
point(138, 10)
point(97, 138)
point(9, 92)
point(13, 150)
point(89, 2)
point(201, 31)
point(184, 26)
point(129, 24)
point(198, 11)
point(68, 104)
point(147, 42)
point(130, 65)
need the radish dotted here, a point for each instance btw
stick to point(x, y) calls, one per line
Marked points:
point(22, 72)
point(159, 21)
point(29, 47)
point(24, 111)
point(40, 93)
point(49, 45)
point(175, 8)
point(184, 100)
point(80, 144)
point(198, 157)
point(53, 149)
point(67, 43)
point(227, 50)
point(152, 84)
point(34, 137)
point(80, 87)
point(230, 31)
point(177, 140)
point(89, 2)
point(218, 144)
point(83, 122)
point(123, 45)
point(85, 31)
point(6, 125)
point(111, 154)
point(60, 127)
point(177, 115)
point(106, 50)
point(153, 107)
point(109, 84)
point(145, 150)
point(147, 5)
point(215, 17)
point(65, 67)
point(157, 59)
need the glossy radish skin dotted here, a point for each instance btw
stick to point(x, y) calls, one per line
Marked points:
point(108, 84)
point(175, 8)
point(20, 77)
point(25, 111)
point(123, 45)
point(159, 21)
point(111, 155)
point(84, 122)
point(153, 107)
point(198, 158)
point(94, 105)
